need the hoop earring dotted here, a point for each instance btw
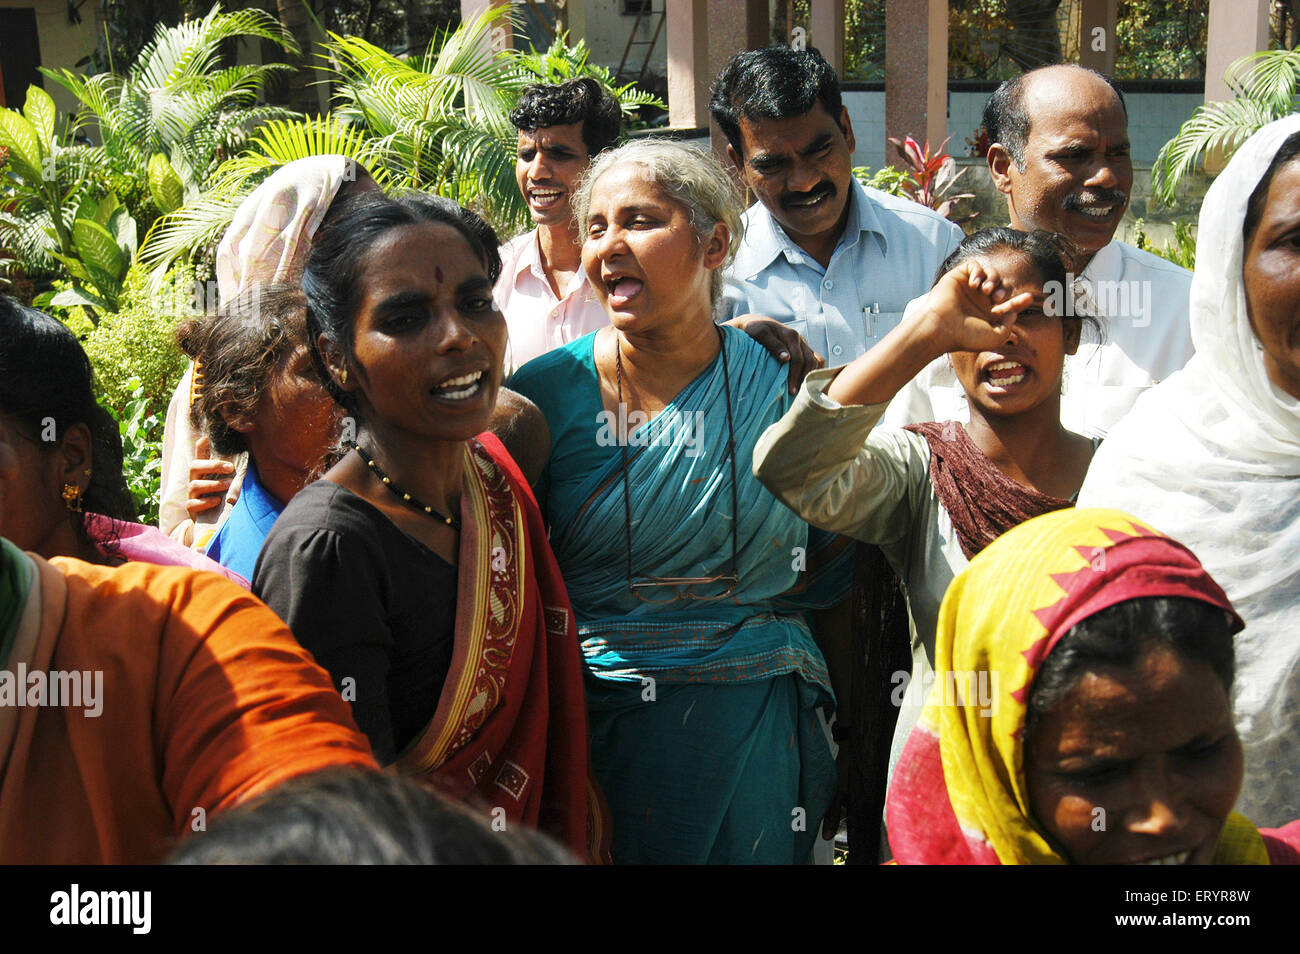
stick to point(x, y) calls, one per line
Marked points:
point(72, 498)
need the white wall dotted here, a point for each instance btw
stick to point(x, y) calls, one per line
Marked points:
point(1153, 118)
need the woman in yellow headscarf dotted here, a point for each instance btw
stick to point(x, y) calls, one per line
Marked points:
point(1081, 711)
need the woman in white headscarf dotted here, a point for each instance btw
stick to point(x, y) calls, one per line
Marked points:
point(267, 243)
point(1212, 455)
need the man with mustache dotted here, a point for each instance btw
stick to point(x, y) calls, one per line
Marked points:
point(1060, 153)
point(830, 258)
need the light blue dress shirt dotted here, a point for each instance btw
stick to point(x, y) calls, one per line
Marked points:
point(888, 255)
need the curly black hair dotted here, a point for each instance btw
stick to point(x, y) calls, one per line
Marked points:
point(577, 101)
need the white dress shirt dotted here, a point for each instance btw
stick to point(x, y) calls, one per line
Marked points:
point(536, 319)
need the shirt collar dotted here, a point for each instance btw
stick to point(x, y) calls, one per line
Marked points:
point(529, 259)
point(1106, 264)
point(765, 239)
point(262, 506)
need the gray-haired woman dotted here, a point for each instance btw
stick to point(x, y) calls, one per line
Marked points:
point(702, 694)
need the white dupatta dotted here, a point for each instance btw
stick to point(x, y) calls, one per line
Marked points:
point(1211, 457)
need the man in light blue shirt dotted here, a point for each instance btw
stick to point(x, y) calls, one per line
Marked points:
point(834, 260)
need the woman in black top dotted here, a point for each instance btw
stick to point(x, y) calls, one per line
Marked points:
point(417, 571)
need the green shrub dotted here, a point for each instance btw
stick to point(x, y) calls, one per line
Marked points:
point(1181, 251)
point(141, 431)
point(886, 179)
point(134, 351)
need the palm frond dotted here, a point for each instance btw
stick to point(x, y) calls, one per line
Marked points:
point(1268, 76)
point(200, 223)
point(1214, 127)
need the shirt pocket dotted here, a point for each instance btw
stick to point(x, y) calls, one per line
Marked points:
point(881, 324)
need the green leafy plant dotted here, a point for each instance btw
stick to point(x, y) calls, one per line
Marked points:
point(441, 119)
point(59, 215)
point(136, 345)
point(187, 232)
point(177, 105)
point(561, 62)
point(104, 243)
point(886, 179)
point(1181, 251)
point(1264, 88)
point(141, 431)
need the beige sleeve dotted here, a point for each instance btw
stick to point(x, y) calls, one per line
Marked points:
point(177, 452)
point(826, 463)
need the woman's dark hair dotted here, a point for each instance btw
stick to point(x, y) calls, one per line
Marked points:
point(1288, 151)
point(237, 350)
point(332, 280)
point(357, 817)
point(1121, 634)
point(46, 379)
point(1053, 255)
point(577, 101)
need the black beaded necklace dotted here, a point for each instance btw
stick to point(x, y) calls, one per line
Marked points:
point(398, 492)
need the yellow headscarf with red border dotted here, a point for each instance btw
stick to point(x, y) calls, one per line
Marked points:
point(959, 795)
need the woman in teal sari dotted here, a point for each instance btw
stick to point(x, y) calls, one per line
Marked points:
point(702, 693)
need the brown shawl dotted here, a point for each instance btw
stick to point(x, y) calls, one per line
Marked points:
point(984, 503)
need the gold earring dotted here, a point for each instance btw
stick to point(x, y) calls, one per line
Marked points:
point(72, 498)
point(343, 376)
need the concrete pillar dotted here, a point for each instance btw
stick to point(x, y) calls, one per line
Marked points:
point(1097, 35)
point(502, 36)
point(916, 72)
point(826, 24)
point(1236, 28)
point(732, 27)
point(688, 63)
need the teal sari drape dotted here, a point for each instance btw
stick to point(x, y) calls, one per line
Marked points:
point(703, 711)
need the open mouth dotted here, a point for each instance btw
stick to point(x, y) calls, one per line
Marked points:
point(1003, 374)
point(812, 200)
point(1178, 858)
point(460, 388)
point(1098, 212)
point(543, 199)
point(622, 289)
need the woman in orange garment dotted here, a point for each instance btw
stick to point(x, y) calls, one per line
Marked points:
point(135, 701)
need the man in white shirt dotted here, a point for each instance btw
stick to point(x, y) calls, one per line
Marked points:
point(543, 291)
point(830, 258)
point(1060, 153)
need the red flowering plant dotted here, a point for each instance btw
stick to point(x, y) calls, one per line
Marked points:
point(932, 177)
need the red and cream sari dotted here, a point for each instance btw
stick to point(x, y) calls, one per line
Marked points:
point(523, 751)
